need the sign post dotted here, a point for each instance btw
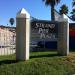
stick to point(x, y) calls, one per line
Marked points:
point(63, 37)
point(22, 35)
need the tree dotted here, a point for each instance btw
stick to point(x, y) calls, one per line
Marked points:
point(73, 3)
point(63, 9)
point(51, 3)
point(11, 20)
point(73, 10)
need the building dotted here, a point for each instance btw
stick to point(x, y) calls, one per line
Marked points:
point(7, 36)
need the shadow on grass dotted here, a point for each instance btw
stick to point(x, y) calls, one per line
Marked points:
point(46, 55)
point(12, 61)
point(8, 62)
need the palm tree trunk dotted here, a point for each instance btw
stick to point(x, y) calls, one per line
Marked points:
point(52, 13)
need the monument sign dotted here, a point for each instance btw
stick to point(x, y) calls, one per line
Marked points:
point(40, 30)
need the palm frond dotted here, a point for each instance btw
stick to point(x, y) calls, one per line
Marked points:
point(51, 2)
point(73, 3)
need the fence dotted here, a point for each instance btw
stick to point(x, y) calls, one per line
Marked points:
point(7, 40)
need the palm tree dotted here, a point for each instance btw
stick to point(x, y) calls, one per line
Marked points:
point(63, 9)
point(73, 3)
point(73, 10)
point(11, 20)
point(51, 3)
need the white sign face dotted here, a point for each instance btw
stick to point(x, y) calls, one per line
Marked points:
point(43, 30)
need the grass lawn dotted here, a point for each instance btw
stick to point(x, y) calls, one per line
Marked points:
point(40, 63)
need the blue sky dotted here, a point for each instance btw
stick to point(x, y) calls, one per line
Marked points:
point(36, 8)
